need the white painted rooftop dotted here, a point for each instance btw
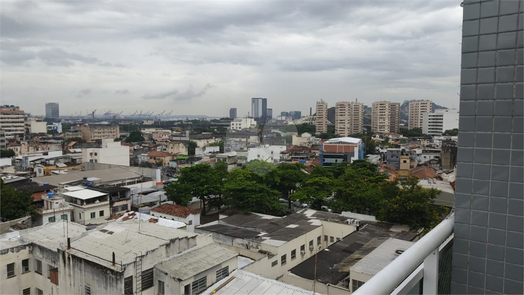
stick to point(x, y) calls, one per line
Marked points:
point(195, 260)
point(380, 257)
point(84, 194)
point(146, 217)
point(246, 283)
point(344, 140)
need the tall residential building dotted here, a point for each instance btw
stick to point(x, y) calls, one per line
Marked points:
point(259, 109)
point(321, 122)
point(12, 121)
point(417, 109)
point(385, 117)
point(269, 114)
point(349, 118)
point(439, 121)
point(488, 245)
point(52, 110)
point(295, 115)
point(232, 113)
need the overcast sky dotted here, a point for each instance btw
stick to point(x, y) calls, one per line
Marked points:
point(204, 57)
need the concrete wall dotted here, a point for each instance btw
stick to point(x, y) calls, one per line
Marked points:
point(321, 288)
point(16, 284)
point(194, 219)
point(86, 211)
point(111, 153)
point(359, 277)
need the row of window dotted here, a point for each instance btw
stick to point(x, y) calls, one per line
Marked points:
point(283, 258)
point(93, 214)
point(53, 218)
point(26, 268)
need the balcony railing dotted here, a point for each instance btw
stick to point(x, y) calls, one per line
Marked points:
point(418, 264)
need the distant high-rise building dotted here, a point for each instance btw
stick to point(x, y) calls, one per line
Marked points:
point(284, 114)
point(52, 110)
point(12, 121)
point(349, 118)
point(437, 122)
point(295, 115)
point(488, 243)
point(269, 114)
point(417, 109)
point(259, 109)
point(385, 117)
point(232, 113)
point(321, 122)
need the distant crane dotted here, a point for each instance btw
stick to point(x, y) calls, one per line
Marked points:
point(92, 114)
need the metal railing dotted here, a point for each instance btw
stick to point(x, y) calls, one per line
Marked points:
point(419, 263)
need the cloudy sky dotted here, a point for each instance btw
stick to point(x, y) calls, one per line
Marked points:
point(204, 57)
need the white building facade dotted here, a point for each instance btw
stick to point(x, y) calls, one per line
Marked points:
point(439, 121)
point(268, 153)
point(244, 123)
point(110, 153)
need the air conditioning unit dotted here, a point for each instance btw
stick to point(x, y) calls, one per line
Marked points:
point(303, 252)
point(311, 248)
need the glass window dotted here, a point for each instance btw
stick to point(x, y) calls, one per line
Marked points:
point(283, 259)
point(311, 245)
point(101, 213)
point(325, 238)
point(274, 263)
point(10, 270)
point(93, 214)
point(38, 266)
point(51, 219)
point(160, 287)
point(332, 239)
point(63, 217)
point(39, 292)
point(319, 240)
point(303, 248)
point(293, 254)
point(356, 284)
point(25, 265)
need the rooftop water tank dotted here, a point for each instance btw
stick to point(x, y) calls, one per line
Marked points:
point(50, 195)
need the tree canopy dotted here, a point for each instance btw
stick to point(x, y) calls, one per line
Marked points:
point(135, 136)
point(451, 132)
point(7, 153)
point(15, 204)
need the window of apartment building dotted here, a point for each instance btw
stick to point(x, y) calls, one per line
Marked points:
point(293, 254)
point(101, 213)
point(87, 290)
point(222, 273)
point(51, 219)
point(338, 239)
point(39, 292)
point(274, 263)
point(187, 289)
point(91, 154)
point(303, 248)
point(319, 240)
point(283, 259)
point(10, 270)
point(26, 291)
point(311, 245)
point(96, 154)
point(199, 285)
point(63, 216)
point(160, 287)
point(356, 284)
point(93, 214)
point(325, 238)
point(49, 268)
point(38, 266)
point(332, 239)
point(25, 265)
point(147, 279)
point(128, 285)
point(79, 215)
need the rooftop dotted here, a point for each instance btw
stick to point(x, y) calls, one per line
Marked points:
point(125, 240)
point(158, 154)
point(196, 260)
point(381, 256)
point(175, 210)
point(105, 175)
point(343, 140)
point(84, 194)
point(242, 282)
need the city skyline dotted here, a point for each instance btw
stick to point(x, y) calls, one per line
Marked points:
point(219, 55)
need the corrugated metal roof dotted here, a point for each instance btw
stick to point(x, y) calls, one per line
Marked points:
point(194, 261)
point(380, 257)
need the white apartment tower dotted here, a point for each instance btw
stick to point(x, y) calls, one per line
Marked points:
point(12, 121)
point(385, 117)
point(349, 118)
point(439, 121)
point(417, 109)
point(321, 122)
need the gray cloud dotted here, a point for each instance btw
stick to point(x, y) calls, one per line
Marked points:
point(121, 92)
point(83, 92)
point(176, 95)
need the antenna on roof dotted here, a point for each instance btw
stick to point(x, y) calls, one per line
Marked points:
point(140, 198)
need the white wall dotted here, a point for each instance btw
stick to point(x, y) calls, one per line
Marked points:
point(110, 153)
point(86, 211)
point(269, 153)
point(193, 218)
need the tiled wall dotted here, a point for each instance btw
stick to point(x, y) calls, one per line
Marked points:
point(488, 246)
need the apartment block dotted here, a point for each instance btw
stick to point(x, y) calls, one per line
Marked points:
point(321, 122)
point(110, 153)
point(489, 240)
point(12, 121)
point(417, 109)
point(349, 118)
point(437, 122)
point(385, 117)
point(52, 110)
point(99, 131)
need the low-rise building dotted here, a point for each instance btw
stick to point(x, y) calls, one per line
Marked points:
point(176, 147)
point(243, 123)
point(35, 126)
point(156, 157)
point(174, 212)
point(437, 122)
point(341, 149)
point(90, 206)
point(119, 198)
point(109, 153)
point(268, 153)
point(99, 131)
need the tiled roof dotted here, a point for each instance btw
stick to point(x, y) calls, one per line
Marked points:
point(423, 172)
point(158, 154)
point(175, 210)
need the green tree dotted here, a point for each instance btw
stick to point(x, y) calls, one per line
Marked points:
point(7, 153)
point(244, 190)
point(319, 171)
point(191, 148)
point(411, 205)
point(199, 181)
point(15, 204)
point(313, 191)
point(260, 168)
point(451, 132)
point(286, 178)
point(135, 136)
point(356, 193)
point(221, 168)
